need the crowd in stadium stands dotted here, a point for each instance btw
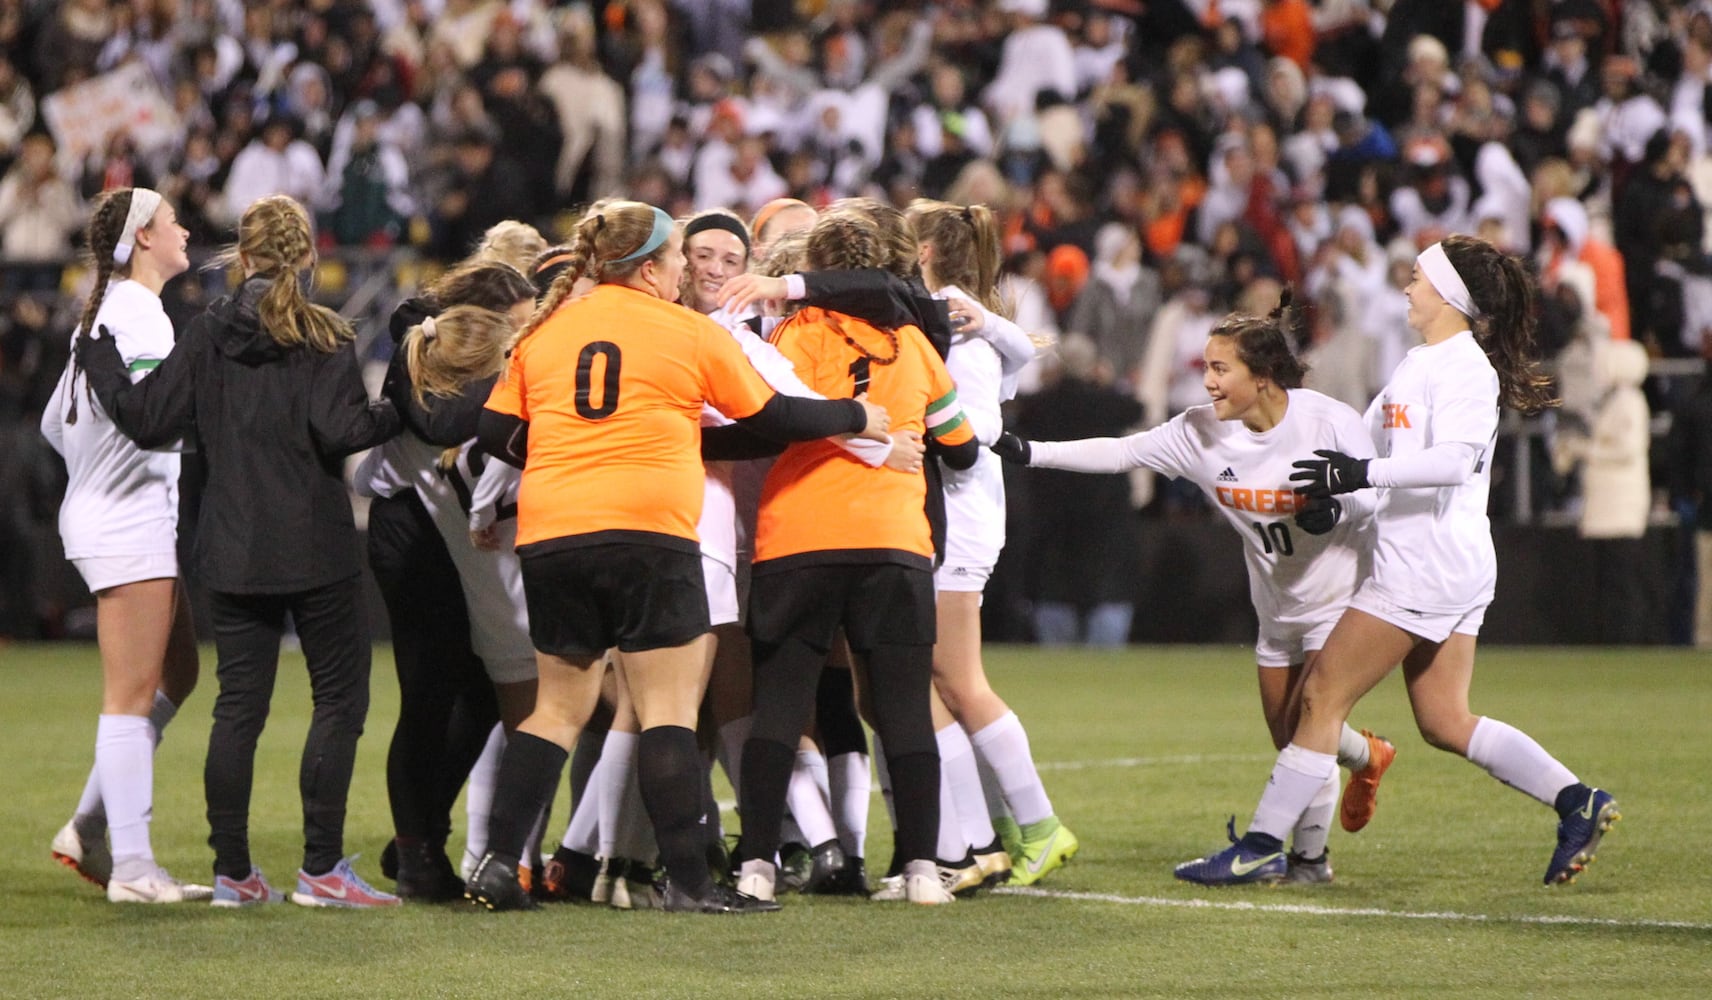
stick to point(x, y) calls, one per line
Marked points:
point(1155, 164)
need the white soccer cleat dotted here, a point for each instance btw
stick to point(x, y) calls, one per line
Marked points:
point(923, 884)
point(891, 890)
point(157, 887)
point(757, 878)
point(90, 858)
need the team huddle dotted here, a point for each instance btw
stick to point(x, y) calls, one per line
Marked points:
point(687, 493)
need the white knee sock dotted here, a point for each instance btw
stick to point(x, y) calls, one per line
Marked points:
point(732, 736)
point(852, 787)
point(1352, 749)
point(1513, 757)
point(997, 807)
point(632, 833)
point(808, 806)
point(125, 758)
point(953, 846)
point(1315, 826)
point(1297, 777)
point(1004, 746)
point(478, 799)
point(91, 817)
point(612, 775)
point(582, 833)
point(964, 775)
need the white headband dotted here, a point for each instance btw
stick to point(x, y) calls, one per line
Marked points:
point(428, 328)
point(144, 203)
point(1441, 273)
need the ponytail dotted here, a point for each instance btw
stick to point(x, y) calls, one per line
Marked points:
point(1504, 293)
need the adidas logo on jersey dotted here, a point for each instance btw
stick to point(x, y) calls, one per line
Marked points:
point(1227, 476)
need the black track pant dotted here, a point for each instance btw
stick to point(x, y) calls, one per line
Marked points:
point(335, 640)
point(446, 705)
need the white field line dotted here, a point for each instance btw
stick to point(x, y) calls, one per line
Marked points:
point(1174, 759)
point(1301, 909)
point(727, 805)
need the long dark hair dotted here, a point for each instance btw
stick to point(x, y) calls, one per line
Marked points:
point(1503, 290)
point(1263, 343)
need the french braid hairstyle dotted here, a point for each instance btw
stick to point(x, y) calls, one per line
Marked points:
point(1504, 291)
point(275, 240)
point(1263, 343)
point(848, 240)
point(106, 226)
point(902, 255)
point(965, 243)
point(618, 230)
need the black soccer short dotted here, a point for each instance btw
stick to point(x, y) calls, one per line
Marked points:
point(586, 599)
point(878, 604)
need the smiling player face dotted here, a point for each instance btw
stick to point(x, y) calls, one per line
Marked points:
point(713, 257)
point(1228, 381)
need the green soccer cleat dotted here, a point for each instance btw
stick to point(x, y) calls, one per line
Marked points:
point(1045, 847)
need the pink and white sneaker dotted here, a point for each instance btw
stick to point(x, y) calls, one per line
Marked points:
point(251, 891)
point(341, 887)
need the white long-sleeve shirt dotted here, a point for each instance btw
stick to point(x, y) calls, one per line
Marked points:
point(1294, 578)
point(1433, 426)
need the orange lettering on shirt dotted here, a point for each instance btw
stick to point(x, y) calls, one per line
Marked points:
point(1396, 415)
point(1244, 499)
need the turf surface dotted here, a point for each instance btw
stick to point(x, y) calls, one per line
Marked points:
point(1145, 752)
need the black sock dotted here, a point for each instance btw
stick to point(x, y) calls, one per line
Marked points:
point(671, 774)
point(915, 796)
point(766, 775)
point(1572, 797)
point(1261, 843)
point(527, 774)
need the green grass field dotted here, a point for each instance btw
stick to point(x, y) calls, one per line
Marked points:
point(1145, 753)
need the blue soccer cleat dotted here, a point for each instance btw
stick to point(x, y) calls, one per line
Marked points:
point(1578, 834)
point(1238, 864)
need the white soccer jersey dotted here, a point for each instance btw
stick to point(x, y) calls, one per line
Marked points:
point(492, 581)
point(975, 497)
point(1433, 547)
point(1294, 578)
point(121, 500)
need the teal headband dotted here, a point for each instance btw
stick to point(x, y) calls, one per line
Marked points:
point(663, 224)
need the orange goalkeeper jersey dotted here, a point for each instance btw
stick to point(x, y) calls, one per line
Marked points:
point(818, 498)
point(612, 386)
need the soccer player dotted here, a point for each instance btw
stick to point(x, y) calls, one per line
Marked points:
point(1303, 561)
point(267, 383)
point(600, 407)
point(1434, 568)
point(838, 545)
point(960, 263)
point(446, 701)
point(119, 523)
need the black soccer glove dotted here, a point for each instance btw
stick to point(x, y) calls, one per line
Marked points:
point(104, 368)
point(1012, 448)
point(1318, 515)
point(1332, 473)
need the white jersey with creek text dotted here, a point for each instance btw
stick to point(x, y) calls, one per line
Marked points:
point(1433, 548)
point(120, 500)
point(1293, 577)
point(975, 497)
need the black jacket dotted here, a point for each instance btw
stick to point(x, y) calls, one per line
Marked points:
point(274, 425)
